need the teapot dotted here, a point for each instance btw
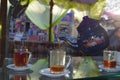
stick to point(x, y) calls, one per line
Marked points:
point(91, 39)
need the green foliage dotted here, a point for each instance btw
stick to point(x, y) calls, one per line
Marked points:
point(45, 2)
point(39, 11)
point(87, 68)
point(39, 14)
point(97, 9)
point(69, 5)
point(24, 2)
point(40, 64)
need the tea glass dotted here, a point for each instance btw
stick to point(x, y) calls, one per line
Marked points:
point(59, 61)
point(21, 57)
point(109, 59)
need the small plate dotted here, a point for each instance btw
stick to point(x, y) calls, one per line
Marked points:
point(117, 69)
point(46, 72)
point(12, 66)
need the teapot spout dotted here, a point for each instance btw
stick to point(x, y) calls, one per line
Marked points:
point(73, 44)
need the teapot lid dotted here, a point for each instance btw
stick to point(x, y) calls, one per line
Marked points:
point(87, 23)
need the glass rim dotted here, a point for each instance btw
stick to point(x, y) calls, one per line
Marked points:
point(24, 50)
point(107, 51)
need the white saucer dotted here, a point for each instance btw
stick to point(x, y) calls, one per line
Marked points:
point(46, 72)
point(12, 66)
point(117, 69)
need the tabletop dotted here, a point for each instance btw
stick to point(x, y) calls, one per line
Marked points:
point(34, 71)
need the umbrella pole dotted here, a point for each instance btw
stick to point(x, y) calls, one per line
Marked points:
point(50, 28)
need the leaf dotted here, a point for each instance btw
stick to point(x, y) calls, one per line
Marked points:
point(69, 5)
point(45, 2)
point(24, 2)
point(87, 68)
point(97, 9)
point(56, 22)
point(60, 17)
point(38, 13)
point(40, 64)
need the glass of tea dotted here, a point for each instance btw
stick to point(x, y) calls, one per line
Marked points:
point(59, 61)
point(21, 57)
point(109, 59)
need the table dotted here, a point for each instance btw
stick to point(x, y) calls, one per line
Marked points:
point(38, 64)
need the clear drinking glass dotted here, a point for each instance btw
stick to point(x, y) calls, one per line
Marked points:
point(109, 59)
point(21, 57)
point(58, 61)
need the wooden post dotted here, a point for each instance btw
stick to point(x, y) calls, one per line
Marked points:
point(3, 16)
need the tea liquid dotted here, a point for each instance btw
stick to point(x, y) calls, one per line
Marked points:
point(57, 69)
point(20, 59)
point(109, 64)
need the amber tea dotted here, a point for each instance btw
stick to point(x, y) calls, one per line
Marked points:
point(21, 57)
point(109, 59)
point(109, 64)
point(57, 69)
